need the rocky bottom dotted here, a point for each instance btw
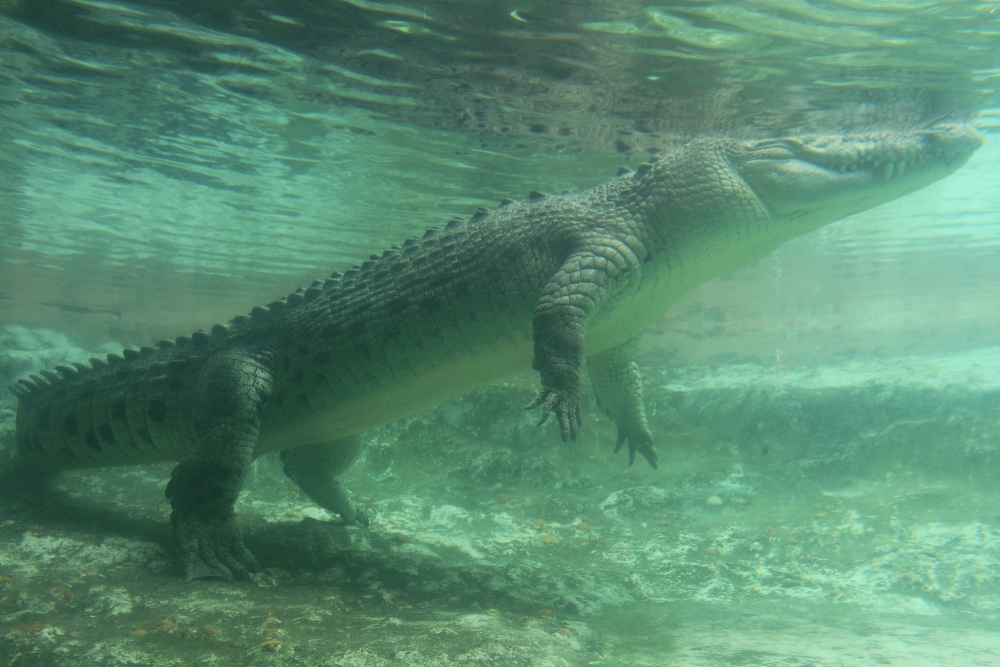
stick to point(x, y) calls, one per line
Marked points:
point(820, 516)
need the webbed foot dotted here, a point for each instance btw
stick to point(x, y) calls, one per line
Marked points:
point(212, 547)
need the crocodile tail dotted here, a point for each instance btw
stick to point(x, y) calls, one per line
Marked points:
point(111, 412)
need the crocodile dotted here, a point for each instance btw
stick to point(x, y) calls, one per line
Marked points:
point(552, 283)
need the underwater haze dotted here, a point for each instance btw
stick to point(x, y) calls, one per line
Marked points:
point(827, 419)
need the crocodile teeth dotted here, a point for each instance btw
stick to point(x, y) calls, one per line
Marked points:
point(887, 170)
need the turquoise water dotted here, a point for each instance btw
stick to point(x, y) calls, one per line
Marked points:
point(167, 165)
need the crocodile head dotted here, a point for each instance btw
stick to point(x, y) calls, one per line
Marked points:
point(810, 181)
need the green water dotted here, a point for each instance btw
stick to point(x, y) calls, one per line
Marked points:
point(827, 420)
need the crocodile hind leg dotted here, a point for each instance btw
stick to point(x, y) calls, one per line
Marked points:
point(314, 467)
point(231, 392)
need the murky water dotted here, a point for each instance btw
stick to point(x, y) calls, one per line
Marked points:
point(827, 420)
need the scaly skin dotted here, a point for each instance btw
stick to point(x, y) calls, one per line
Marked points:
point(547, 282)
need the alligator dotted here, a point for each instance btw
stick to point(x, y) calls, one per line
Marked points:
point(547, 283)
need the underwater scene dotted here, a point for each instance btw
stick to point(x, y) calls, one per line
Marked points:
point(740, 261)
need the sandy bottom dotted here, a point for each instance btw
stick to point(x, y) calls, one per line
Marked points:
point(843, 515)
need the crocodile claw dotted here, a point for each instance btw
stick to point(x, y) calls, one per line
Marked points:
point(639, 440)
point(212, 548)
point(567, 411)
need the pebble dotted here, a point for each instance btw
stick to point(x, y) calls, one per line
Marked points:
point(165, 624)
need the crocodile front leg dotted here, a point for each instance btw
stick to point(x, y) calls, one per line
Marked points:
point(618, 387)
point(232, 391)
point(314, 468)
point(573, 294)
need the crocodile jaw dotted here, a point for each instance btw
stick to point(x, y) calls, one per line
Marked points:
point(808, 182)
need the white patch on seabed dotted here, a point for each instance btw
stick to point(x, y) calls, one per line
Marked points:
point(110, 601)
point(44, 550)
point(475, 534)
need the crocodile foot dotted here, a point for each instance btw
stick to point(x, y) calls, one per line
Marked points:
point(564, 404)
point(212, 547)
point(359, 518)
point(639, 440)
